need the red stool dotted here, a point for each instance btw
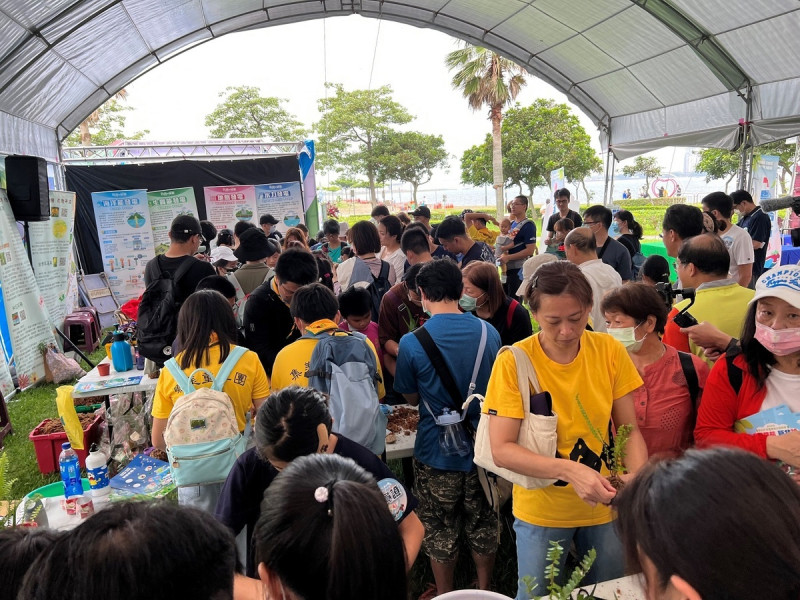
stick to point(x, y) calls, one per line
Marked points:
point(81, 329)
point(91, 310)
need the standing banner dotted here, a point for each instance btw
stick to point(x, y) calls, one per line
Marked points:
point(765, 180)
point(51, 250)
point(164, 206)
point(25, 309)
point(283, 201)
point(225, 205)
point(126, 239)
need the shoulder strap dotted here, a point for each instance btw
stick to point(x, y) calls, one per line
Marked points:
point(384, 270)
point(157, 267)
point(734, 372)
point(603, 248)
point(439, 365)
point(180, 377)
point(690, 373)
point(512, 306)
point(225, 370)
point(237, 286)
point(478, 359)
point(183, 269)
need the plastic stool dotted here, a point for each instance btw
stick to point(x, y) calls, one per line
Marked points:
point(81, 329)
point(91, 310)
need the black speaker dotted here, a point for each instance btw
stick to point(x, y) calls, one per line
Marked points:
point(26, 178)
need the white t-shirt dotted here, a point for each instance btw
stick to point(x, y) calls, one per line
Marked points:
point(398, 261)
point(603, 278)
point(782, 389)
point(740, 247)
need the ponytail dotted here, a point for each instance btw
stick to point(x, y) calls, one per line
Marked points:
point(636, 230)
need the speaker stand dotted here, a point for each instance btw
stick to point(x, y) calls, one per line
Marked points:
point(27, 231)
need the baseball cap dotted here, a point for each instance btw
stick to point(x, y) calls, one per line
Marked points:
point(268, 218)
point(529, 268)
point(780, 282)
point(185, 224)
point(422, 211)
point(223, 253)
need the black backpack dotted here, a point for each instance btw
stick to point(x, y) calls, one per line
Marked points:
point(157, 320)
point(376, 286)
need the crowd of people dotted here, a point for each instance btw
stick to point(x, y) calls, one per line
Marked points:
point(424, 311)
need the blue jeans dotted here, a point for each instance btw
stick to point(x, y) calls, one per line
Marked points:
point(533, 542)
point(203, 497)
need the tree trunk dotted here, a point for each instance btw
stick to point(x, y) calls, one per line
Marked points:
point(414, 187)
point(86, 135)
point(497, 159)
point(585, 191)
point(373, 197)
point(728, 182)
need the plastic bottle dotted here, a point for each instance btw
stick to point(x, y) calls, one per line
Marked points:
point(121, 356)
point(97, 472)
point(70, 471)
point(452, 437)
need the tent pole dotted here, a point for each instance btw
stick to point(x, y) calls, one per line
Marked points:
point(745, 160)
point(611, 186)
point(605, 185)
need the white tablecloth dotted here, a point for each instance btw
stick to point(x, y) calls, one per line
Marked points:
point(145, 385)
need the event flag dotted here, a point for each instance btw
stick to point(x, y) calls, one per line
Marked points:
point(765, 180)
point(164, 206)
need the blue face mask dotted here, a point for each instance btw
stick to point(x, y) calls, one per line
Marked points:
point(614, 230)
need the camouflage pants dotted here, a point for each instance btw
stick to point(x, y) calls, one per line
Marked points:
point(452, 503)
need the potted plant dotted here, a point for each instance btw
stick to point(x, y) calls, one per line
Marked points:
point(563, 592)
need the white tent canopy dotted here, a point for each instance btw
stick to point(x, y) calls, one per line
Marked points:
point(649, 73)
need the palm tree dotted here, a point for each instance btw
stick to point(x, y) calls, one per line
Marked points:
point(487, 79)
point(92, 119)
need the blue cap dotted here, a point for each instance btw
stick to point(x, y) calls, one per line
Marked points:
point(66, 446)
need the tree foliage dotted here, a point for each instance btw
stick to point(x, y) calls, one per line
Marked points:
point(105, 125)
point(487, 79)
point(536, 139)
point(409, 156)
point(245, 113)
point(643, 165)
point(718, 163)
point(351, 123)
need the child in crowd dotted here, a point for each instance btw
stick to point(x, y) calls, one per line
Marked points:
point(504, 239)
point(355, 308)
point(560, 230)
point(19, 547)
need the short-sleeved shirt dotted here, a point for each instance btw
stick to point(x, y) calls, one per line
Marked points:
point(740, 247)
point(292, 362)
point(478, 251)
point(397, 259)
point(571, 215)
point(758, 226)
point(268, 324)
point(239, 503)
point(603, 278)
point(520, 327)
point(664, 407)
point(398, 315)
point(246, 382)
point(617, 256)
point(482, 235)
point(525, 236)
point(188, 282)
point(372, 335)
point(456, 336)
point(601, 373)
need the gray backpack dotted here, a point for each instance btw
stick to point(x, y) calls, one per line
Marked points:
point(343, 366)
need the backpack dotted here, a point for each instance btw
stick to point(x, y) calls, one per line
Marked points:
point(157, 319)
point(202, 434)
point(376, 286)
point(637, 260)
point(241, 297)
point(343, 366)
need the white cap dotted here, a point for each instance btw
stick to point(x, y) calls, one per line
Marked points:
point(223, 253)
point(780, 282)
point(529, 268)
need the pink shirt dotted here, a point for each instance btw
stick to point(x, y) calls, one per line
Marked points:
point(664, 411)
point(372, 335)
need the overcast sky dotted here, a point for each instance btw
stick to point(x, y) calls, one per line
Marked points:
point(289, 61)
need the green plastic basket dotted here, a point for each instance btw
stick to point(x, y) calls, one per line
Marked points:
point(54, 490)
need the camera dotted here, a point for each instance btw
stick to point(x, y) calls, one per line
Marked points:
point(683, 318)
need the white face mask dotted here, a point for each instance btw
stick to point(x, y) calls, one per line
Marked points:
point(627, 337)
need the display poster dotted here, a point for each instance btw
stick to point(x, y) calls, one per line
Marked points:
point(25, 310)
point(126, 239)
point(6, 383)
point(283, 201)
point(225, 205)
point(51, 251)
point(164, 206)
point(765, 179)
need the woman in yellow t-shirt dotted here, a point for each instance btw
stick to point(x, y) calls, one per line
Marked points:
point(590, 377)
point(207, 333)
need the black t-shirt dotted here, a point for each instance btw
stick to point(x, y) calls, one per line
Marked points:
point(478, 251)
point(616, 255)
point(268, 324)
point(630, 242)
point(239, 503)
point(520, 322)
point(188, 282)
point(758, 226)
point(571, 215)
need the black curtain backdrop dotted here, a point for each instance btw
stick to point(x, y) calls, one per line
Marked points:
point(83, 180)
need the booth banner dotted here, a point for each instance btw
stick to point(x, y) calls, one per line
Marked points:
point(126, 239)
point(164, 206)
point(766, 176)
point(283, 201)
point(6, 383)
point(225, 205)
point(51, 250)
point(25, 309)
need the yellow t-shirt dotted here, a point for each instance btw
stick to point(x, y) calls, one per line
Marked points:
point(482, 235)
point(247, 382)
point(601, 373)
point(291, 364)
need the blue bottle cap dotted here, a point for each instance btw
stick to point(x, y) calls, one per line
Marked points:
point(66, 446)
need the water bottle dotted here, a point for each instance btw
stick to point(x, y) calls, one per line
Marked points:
point(452, 437)
point(121, 356)
point(97, 472)
point(70, 471)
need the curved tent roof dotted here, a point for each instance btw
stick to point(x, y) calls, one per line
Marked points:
point(649, 73)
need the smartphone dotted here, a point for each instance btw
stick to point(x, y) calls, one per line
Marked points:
point(684, 319)
point(542, 404)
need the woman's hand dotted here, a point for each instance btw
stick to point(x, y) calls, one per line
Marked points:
point(590, 485)
point(785, 447)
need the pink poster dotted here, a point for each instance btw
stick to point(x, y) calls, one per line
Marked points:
point(225, 205)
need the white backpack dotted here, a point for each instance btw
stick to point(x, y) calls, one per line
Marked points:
point(202, 434)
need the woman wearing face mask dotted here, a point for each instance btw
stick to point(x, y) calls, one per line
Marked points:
point(665, 407)
point(483, 295)
point(766, 373)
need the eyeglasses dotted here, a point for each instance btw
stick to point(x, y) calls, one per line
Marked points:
point(590, 223)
